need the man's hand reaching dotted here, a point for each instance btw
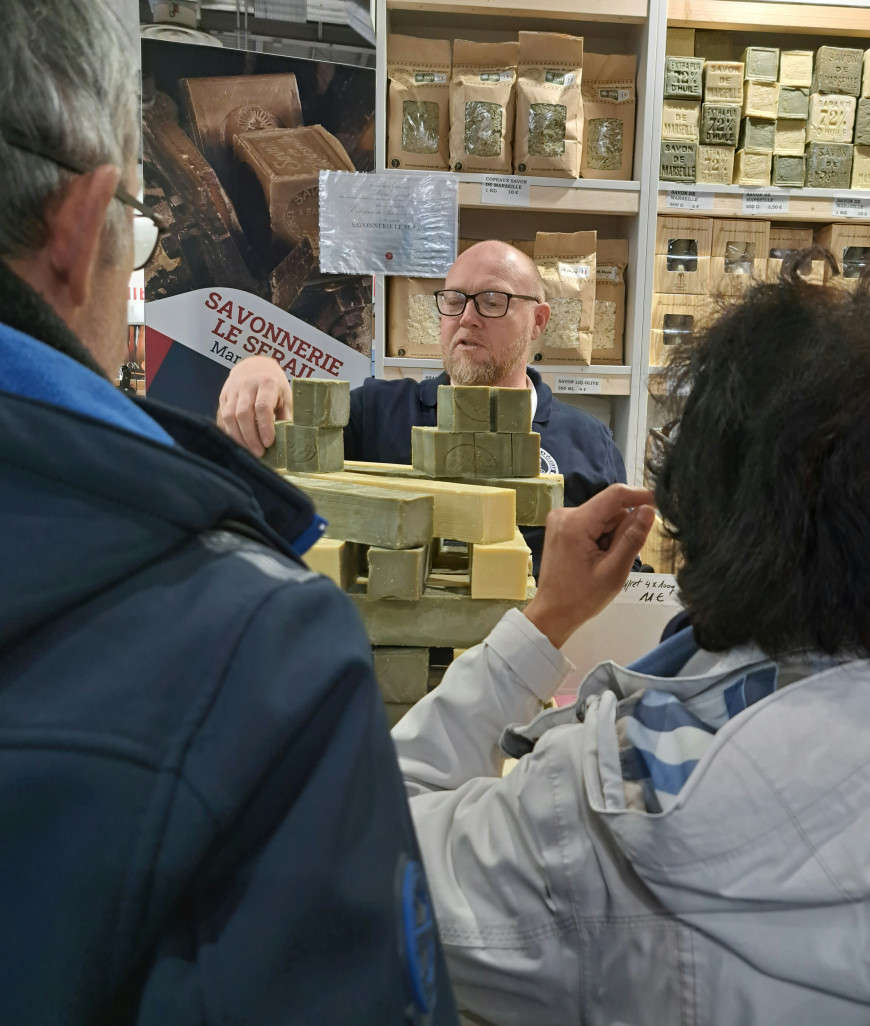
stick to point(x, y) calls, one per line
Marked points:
point(254, 396)
point(588, 552)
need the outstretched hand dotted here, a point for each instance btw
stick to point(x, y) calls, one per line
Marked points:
point(588, 552)
point(254, 396)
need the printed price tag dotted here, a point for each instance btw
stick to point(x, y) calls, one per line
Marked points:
point(847, 206)
point(577, 385)
point(505, 190)
point(765, 203)
point(688, 199)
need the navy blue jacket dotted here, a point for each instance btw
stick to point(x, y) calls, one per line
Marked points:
point(573, 442)
point(202, 816)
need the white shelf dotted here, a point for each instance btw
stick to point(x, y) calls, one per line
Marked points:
point(727, 201)
point(802, 18)
point(616, 11)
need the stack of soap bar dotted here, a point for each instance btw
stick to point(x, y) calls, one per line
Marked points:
point(831, 118)
point(790, 138)
point(680, 120)
point(684, 78)
point(752, 169)
point(302, 449)
point(760, 99)
point(796, 68)
point(319, 403)
point(862, 122)
point(794, 103)
point(757, 135)
point(838, 70)
point(678, 162)
point(713, 45)
point(723, 82)
point(720, 124)
point(788, 171)
point(829, 166)
point(715, 165)
point(761, 63)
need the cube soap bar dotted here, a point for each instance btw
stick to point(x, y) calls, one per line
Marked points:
point(838, 70)
point(720, 124)
point(761, 63)
point(397, 573)
point(861, 168)
point(463, 408)
point(525, 455)
point(752, 168)
point(794, 103)
point(713, 45)
point(680, 119)
point(683, 78)
point(796, 68)
point(678, 161)
point(715, 165)
point(402, 673)
point(723, 82)
point(319, 403)
point(831, 118)
point(492, 454)
point(756, 135)
point(790, 138)
point(336, 559)
point(865, 87)
point(500, 571)
point(510, 409)
point(788, 171)
point(300, 448)
point(441, 453)
point(862, 123)
point(760, 99)
point(680, 42)
point(829, 166)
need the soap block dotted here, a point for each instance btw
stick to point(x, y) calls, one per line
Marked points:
point(680, 42)
point(300, 448)
point(789, 172)
point(861, 168)
point(790, 138)
point(865, 86)
point(720, 124)
point(678, 162)
point(760, 99)
point(761, 63)
point(796, 68)
point(752, 168)
point(862, 123)
point(829, 165)
point(336, 559)
point(683, 78)
point(831, 118)
point(794, 103)
point(318, 403)
point(526, 454)
point(402, 673)
point(535, 496)
point(723, 82)
point(492, 454)
point(680, 120)
point(757, 135)
point(838, 70)
point(510, 409)
point(500, 571)
point(713, 45)
point(463, 408)
point(440, 453)
point(715, 165)
point(397, 573)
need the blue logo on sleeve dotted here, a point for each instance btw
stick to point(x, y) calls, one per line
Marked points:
point(417, 937)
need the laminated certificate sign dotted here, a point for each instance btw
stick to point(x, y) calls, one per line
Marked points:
point(399, 222)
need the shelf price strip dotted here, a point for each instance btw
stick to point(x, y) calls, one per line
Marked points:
point(851, 207)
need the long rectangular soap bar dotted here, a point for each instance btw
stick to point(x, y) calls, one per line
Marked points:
point(680, 120)
point(684, 78)
point(790, 138)
point(397, 573)
point(715, 165)
point(720, 124)
point(831, 118)
point(789, 172)
point(501, 571)
point(838, 70)
point(752, 168)
point(761, 63)
point(510, 409)
point(757, 135)
point(463, 408)
point(760, 99)
point(402, 673)
point(794, 103)
point(299, 448)
point(723, 82)
point(678, 161)
point(319, 403)
point(336, 559)
point(369, 514)
point(829, 165)
point(862, 123)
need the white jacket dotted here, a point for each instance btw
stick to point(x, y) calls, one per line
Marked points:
point(746, 903)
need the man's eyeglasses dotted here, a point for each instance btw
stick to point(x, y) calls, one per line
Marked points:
point(147, 225)
point(451, 303)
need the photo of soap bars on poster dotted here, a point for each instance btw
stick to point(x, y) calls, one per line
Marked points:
point(766, 116)
point(233, 146)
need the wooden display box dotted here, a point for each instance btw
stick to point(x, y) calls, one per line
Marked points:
point(784, 240)
point(682, 255)
point(850, 245)
point(674, 317)
point(738, 255)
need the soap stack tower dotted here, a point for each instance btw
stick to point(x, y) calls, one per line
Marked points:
point(429, 553)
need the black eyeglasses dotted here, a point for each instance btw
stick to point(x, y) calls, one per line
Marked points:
point(451, 303)
point(147, 225)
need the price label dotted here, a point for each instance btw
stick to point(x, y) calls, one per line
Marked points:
point(505, 190)
point(765, 203)
point(574, 383)
point(847, 206)
point(688, 199)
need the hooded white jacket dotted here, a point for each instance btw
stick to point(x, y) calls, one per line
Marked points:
point(748, 902)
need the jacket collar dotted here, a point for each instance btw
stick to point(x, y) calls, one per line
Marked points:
point(429, 393)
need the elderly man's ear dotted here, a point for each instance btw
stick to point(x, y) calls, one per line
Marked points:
point(542, 317)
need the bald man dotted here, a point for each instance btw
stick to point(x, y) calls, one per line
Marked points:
point(492, 308)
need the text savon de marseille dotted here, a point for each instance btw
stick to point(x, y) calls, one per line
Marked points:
point(297, 357)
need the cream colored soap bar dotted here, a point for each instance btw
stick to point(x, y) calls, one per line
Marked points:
point(861, 167)
point(831, 118)
point(865, 88)
point(336, 559)
point(501, 571)
point(760, 99)
point(752, 168)
point(796, 68)
point(723, 82)
point(790, 138)
point(680, 120)
point(715, 165)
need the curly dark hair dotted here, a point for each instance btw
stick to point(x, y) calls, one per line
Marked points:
point(767, 484)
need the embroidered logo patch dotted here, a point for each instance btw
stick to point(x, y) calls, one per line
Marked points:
point(548, 464)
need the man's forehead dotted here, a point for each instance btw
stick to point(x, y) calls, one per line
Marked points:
point(484, 271)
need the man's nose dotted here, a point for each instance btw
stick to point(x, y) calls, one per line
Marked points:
point(470, 315)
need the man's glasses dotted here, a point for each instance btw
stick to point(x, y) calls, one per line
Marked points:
point(451, 303)
point(147, 225)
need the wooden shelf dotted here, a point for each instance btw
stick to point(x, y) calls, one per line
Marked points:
point(570, 196)
point(624, 11)
point(727, 201)
point(590, 380)
point(803, 19)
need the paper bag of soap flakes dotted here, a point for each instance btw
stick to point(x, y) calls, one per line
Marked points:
point(611, 259)
point(482, 104)
point(566, 261)
point(609, 102)
point(419, 72)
